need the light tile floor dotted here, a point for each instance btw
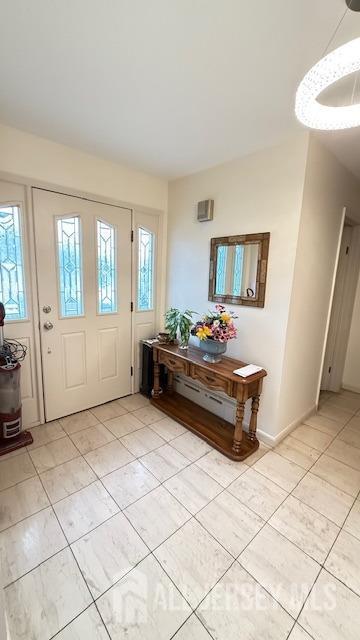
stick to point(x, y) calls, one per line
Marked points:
point(119, 523)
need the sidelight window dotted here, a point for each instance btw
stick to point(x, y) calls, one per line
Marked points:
point(12, 286)
point(145, 298)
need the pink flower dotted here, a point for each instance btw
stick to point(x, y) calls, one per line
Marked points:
point(219, 324)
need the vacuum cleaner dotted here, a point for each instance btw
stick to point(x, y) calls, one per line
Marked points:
point(11, 353)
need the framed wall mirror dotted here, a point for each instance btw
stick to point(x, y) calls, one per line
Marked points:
point(238, 268)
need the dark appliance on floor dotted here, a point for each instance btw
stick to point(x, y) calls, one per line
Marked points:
point(11, 353)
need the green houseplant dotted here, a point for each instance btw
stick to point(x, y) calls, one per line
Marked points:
point(178, 321)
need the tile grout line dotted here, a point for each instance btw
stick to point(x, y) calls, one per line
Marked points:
point(116, 438)
point(234, 559)
point(161, 483)
point(321, 452)
point(82, 455)
point(108, 519)
point(193, 613)
point(136, 459)
point(121, 511)
point(322, 566)
point(151, 552)
point(92, 604)
point(78, 566)
point(310, 468)
point(53, 555)
point(192, 516)
point(267, 523)
point(157, 479)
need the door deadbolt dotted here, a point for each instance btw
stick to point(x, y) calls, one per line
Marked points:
point(46, 309)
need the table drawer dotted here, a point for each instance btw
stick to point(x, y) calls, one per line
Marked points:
point(173, 363)
point(210, 379)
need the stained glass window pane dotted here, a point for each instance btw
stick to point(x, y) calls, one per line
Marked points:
point(221, 270)
point(145, 270)
point(70, 267)
point(238, 269)
point(12, 287)
point(106, 266)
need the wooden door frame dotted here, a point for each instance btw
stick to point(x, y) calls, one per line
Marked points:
point(29, 184)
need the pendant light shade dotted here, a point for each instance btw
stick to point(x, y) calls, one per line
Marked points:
point(336, 65)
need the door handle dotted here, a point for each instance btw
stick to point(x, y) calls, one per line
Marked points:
point(48, 325)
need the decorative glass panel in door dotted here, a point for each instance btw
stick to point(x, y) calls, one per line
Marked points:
point(12, 289)
point(145, 270)
point(106, 267)
point(70, 267)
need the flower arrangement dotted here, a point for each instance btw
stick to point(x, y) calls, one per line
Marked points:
point(216, 325)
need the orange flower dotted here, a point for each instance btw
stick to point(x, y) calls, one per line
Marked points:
point(225, 317)
point(203, 332)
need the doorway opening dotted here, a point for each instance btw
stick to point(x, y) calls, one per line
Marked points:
point(342, 320)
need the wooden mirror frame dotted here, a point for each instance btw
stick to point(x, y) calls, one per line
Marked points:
point(263, 239)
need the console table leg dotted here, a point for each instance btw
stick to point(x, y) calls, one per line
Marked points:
point(156, 389)
point(253, 419)
point(240, 409)
point(170, 383)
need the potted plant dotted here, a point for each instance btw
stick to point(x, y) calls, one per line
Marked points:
point(214, 331)
point(178, 321)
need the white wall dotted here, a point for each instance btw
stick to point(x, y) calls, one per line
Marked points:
point(42, 160)
point(328, 188)
point(259, 193)
point(351, 377)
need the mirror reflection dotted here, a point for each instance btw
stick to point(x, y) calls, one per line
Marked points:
point(236, 270)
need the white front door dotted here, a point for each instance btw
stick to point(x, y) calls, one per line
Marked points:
point(83, 253)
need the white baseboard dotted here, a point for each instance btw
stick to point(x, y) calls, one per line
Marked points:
point(37, 423)
point(347, 387)
point(274, 440)
point(265, 438)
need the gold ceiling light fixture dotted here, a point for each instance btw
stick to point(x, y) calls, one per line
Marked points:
point(334, 66)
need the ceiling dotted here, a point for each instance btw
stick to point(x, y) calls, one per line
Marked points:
point(167, 86)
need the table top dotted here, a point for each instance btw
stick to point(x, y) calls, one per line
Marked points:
point(224, 368)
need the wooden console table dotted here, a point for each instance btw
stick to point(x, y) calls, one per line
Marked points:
point(231, 440)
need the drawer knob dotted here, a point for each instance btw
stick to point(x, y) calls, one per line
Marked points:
point(210, 379)
point(172, 361)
